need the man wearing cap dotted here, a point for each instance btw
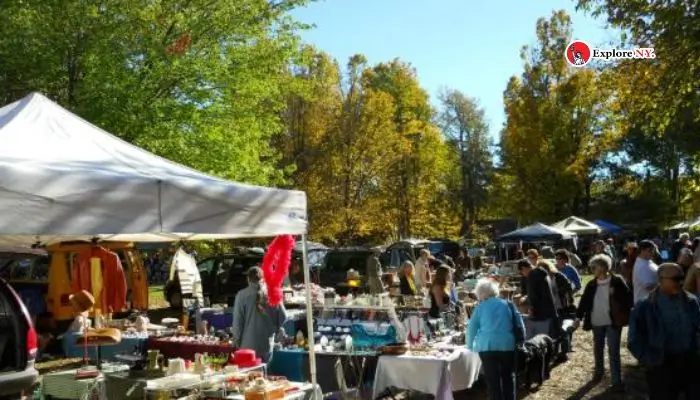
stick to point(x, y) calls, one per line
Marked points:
point(663, 336)
point(644, 272)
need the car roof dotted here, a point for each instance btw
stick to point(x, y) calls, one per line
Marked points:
point(351, 249)
point(21, 251)
point(410, 242)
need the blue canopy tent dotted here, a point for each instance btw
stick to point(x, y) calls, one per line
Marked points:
point(608, 226)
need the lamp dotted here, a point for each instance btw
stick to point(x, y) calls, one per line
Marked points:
point(82, 302)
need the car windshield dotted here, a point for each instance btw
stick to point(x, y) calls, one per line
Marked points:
point(26, 268)
point(448, 248)
point(314, 258)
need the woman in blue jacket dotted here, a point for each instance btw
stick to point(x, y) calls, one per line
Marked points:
point(492, 332)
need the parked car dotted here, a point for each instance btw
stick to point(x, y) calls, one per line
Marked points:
point(27, 271)
point(339, 261)
point(43, 277)
point(222, 276)
point(18, 339)
point(396, 253)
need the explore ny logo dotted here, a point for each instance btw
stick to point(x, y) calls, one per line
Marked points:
point(578, 53)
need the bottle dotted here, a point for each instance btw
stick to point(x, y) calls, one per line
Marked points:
point(98, 319)
point(300, 339)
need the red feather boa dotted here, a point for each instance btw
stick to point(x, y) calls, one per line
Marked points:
point(275, 267)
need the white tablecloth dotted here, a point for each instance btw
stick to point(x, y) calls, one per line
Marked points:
point(63, 384)
point(439, 377)
point(306, 392)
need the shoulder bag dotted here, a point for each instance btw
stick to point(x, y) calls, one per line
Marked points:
point(518, 333)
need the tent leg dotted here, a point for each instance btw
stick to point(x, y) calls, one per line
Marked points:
point(309, 317)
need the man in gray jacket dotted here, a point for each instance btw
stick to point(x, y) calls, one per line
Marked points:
point(374, 273)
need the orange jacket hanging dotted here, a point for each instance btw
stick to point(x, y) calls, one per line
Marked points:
point(114, 283)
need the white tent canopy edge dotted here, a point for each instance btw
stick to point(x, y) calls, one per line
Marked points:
point(577, 225)
point(63, 178)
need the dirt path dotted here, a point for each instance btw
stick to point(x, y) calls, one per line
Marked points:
point(571, 380)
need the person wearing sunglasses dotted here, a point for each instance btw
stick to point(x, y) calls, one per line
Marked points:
point(663, 336)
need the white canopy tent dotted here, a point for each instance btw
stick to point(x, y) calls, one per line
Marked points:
point(537, 232)
point(685, 225)
point(679, 226)
point(578, 226)
point(62, 178)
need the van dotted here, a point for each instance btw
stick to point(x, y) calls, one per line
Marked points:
point(62, 258)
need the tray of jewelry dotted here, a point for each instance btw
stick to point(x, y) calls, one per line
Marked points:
point(430, 352)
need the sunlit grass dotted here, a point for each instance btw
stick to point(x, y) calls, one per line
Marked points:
point(156, 298)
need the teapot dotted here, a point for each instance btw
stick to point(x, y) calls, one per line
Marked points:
point(142, 323)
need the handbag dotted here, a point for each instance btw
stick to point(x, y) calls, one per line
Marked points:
point(518, 333)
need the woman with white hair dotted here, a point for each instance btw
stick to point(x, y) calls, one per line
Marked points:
point(492, 331)
point(605, 308)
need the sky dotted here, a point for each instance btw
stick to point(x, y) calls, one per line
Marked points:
point(471, 46)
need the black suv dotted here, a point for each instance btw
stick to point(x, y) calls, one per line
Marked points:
point(18, 339)
point(398, 252)
point(224, 275)
point(338, 261)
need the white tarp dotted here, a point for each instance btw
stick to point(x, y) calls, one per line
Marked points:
point(62, 178)
point(578, 225)
point(537, 232)
point(185, 266)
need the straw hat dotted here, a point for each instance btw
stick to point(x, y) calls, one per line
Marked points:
point(101, 337)
point(82, 301)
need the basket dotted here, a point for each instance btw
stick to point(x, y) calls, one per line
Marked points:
point(275, 392)
point(394, 349)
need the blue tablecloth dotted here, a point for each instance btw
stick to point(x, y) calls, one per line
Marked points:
point(294, 364)
point(127, 346)
point(219, 320)
point(223, 320)
point(289, 363)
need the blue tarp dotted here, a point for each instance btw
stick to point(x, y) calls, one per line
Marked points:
point(608, 226)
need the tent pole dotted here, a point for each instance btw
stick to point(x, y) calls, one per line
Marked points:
point(309, 316)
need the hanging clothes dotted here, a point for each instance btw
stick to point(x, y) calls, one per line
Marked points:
point(112, 288)
point(139, 287)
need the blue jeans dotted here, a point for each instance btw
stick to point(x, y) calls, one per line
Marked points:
point(499, 369)
point(612, 335)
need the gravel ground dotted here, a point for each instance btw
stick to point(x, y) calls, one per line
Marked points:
point(571, 380)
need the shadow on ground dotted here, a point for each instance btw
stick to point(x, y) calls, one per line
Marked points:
point(572, 380)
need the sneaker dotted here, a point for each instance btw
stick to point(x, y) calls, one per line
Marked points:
point(597, 376)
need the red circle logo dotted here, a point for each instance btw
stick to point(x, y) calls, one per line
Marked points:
point(578, 53)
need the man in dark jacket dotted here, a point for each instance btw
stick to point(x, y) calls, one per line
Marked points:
point(464, 264)
point(543, 312)
point(677, 245)
point(663, 337)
